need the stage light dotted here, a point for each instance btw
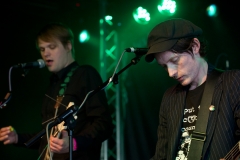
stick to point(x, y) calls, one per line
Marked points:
point(141, 15)
point(108, 19)
point(84, 36)
point(212, 10)
point(167, 7)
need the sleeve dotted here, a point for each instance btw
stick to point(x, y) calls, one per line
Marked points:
point(162, 142)
point(234, 96)
point(24, 138)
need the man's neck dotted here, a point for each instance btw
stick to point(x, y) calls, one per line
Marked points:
point(202, 76)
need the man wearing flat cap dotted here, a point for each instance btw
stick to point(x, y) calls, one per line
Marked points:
point(199, 118)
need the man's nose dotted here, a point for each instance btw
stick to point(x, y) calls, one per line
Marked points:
point(45, 53)
point(172, 72)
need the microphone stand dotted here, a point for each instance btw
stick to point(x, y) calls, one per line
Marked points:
point(4, 102)
point(67, 116)
point(71, 123)
point(8, 96)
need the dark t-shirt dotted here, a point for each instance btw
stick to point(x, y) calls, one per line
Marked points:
point(191, 109)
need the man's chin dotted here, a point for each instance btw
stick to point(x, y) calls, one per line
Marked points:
point(184, 83)
point(50, 69)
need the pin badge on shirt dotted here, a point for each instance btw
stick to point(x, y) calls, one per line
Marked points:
point(212, 108)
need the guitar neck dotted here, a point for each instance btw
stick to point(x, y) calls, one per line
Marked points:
point(234, 153)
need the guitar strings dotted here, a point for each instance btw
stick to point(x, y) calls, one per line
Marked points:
point(232, 153)
point(49, 154)
point(55, 100)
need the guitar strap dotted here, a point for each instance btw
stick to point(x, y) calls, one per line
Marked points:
point(59, 100)
point(63, 87)
point(198, 136)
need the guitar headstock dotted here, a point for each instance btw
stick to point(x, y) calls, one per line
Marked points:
point(61, 126)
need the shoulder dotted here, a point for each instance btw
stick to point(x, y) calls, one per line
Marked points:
point(86, 66)
point(88, 73)
point(87, 69)
point(230, 75)
point(224, 75)
point(173, 90)
point(230, 78)
point(231, 72)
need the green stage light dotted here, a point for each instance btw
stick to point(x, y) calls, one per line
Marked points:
point(141, 15)
point(167, 7)
point(108, 19)
point(84, 36)
point(212, 10)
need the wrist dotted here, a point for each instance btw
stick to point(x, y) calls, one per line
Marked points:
point(74, 144)
point(16, 139)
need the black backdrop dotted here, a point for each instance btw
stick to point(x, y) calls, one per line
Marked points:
point(145, 83)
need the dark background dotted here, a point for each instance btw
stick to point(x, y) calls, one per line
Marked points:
point(145, 83)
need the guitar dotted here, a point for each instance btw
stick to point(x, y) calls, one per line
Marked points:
point(57, 133)
point(234, 153)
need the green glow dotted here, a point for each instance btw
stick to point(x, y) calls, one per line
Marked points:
point(108, 19)
point(212, 10)
point(168, 7)
point(84, 36)
point(101, 64)
point(141, 15)
point(101, 32)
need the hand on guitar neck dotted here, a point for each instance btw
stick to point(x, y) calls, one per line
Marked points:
point(57, 144)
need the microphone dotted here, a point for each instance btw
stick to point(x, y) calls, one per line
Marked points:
point(66, 115)
point(137, 51)
point(38, 64)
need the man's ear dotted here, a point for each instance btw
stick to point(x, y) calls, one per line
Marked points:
point(69, 46)
point(196, 46)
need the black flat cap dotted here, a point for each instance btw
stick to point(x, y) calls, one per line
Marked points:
point(166, 34)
